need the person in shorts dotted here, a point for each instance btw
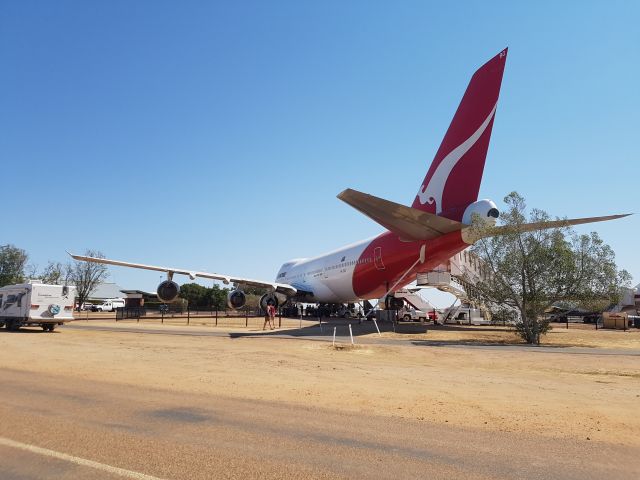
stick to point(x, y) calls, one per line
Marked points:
point(269, 315)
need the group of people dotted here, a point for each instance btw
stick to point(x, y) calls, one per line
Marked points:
point(270, 317)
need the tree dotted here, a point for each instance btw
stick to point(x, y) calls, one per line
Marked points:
point(218, 297)
point(53, 274)
point(530, 271)
point(199, 296)
point(195, 294)
point(86, 276)
point(13, 261)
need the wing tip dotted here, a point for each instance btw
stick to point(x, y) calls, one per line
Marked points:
point(345, 193)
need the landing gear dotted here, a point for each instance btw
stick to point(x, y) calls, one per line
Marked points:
point(49, 327)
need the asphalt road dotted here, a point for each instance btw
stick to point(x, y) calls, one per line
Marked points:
point(61, 427)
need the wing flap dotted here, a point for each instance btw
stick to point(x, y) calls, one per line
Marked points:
point(410, 224)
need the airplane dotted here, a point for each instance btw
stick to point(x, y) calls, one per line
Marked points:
point(438, 225)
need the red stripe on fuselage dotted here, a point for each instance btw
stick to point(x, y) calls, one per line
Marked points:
point(370, 281)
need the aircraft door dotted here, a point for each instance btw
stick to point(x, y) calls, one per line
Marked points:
point(377, 258)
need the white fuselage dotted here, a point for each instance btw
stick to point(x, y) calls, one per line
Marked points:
point(328, 276)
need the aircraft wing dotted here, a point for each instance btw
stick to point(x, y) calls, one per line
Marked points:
point(227, 279)
point(410, 224)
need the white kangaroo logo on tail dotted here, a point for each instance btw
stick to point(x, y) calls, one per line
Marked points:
point(435, 188)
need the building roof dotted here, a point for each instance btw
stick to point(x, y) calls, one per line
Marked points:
point(140, 292)
point(106, 290)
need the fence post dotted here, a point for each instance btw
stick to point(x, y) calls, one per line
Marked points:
point(216, 316)
point(246, 316)
point(188, 314)
point(567, 322)
point(279, 317)
point(162, 314)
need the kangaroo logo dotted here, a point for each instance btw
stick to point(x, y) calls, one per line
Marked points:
point(432, 192)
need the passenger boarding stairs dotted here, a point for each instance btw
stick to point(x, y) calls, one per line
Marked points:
point(411, 297)
point(446, 282)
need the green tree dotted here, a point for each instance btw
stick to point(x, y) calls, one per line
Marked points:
point(218, 297)
point(204, 297)
point(195, 294)
point(530, 271)
point(13, 261)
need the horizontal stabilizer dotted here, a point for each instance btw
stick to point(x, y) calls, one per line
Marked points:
point(410, 224)
point(473, 234)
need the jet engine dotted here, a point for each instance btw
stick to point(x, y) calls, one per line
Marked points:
point(168, 291)
point(486, 210)
point(269, 298)
point(236, 299)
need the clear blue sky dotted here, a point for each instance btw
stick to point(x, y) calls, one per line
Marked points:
point(215, 136)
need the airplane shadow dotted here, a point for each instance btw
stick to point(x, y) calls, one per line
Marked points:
point(326, 327)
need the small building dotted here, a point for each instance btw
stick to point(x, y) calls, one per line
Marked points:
point(137, 298)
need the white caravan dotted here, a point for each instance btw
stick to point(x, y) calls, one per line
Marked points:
point(36, 304)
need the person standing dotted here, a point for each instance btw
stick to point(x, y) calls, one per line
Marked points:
point(271, 310)
point(267, 317)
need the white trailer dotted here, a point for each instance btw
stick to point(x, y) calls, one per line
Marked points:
point(36, 304)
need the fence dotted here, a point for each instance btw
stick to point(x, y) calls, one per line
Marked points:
point(232, 318)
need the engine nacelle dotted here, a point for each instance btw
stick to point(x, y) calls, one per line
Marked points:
point(168, 291)
point(269, 298)
point(236, 299)
point(486, 210)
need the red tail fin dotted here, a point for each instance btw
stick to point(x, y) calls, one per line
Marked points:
point(453, 180)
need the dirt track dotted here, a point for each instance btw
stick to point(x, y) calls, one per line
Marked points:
point(570, 400)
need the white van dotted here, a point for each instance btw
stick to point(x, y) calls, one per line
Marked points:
point(36, 304)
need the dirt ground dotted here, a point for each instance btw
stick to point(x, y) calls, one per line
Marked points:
point(467, 377)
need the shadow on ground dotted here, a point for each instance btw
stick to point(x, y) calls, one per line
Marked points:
point(325, 329)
